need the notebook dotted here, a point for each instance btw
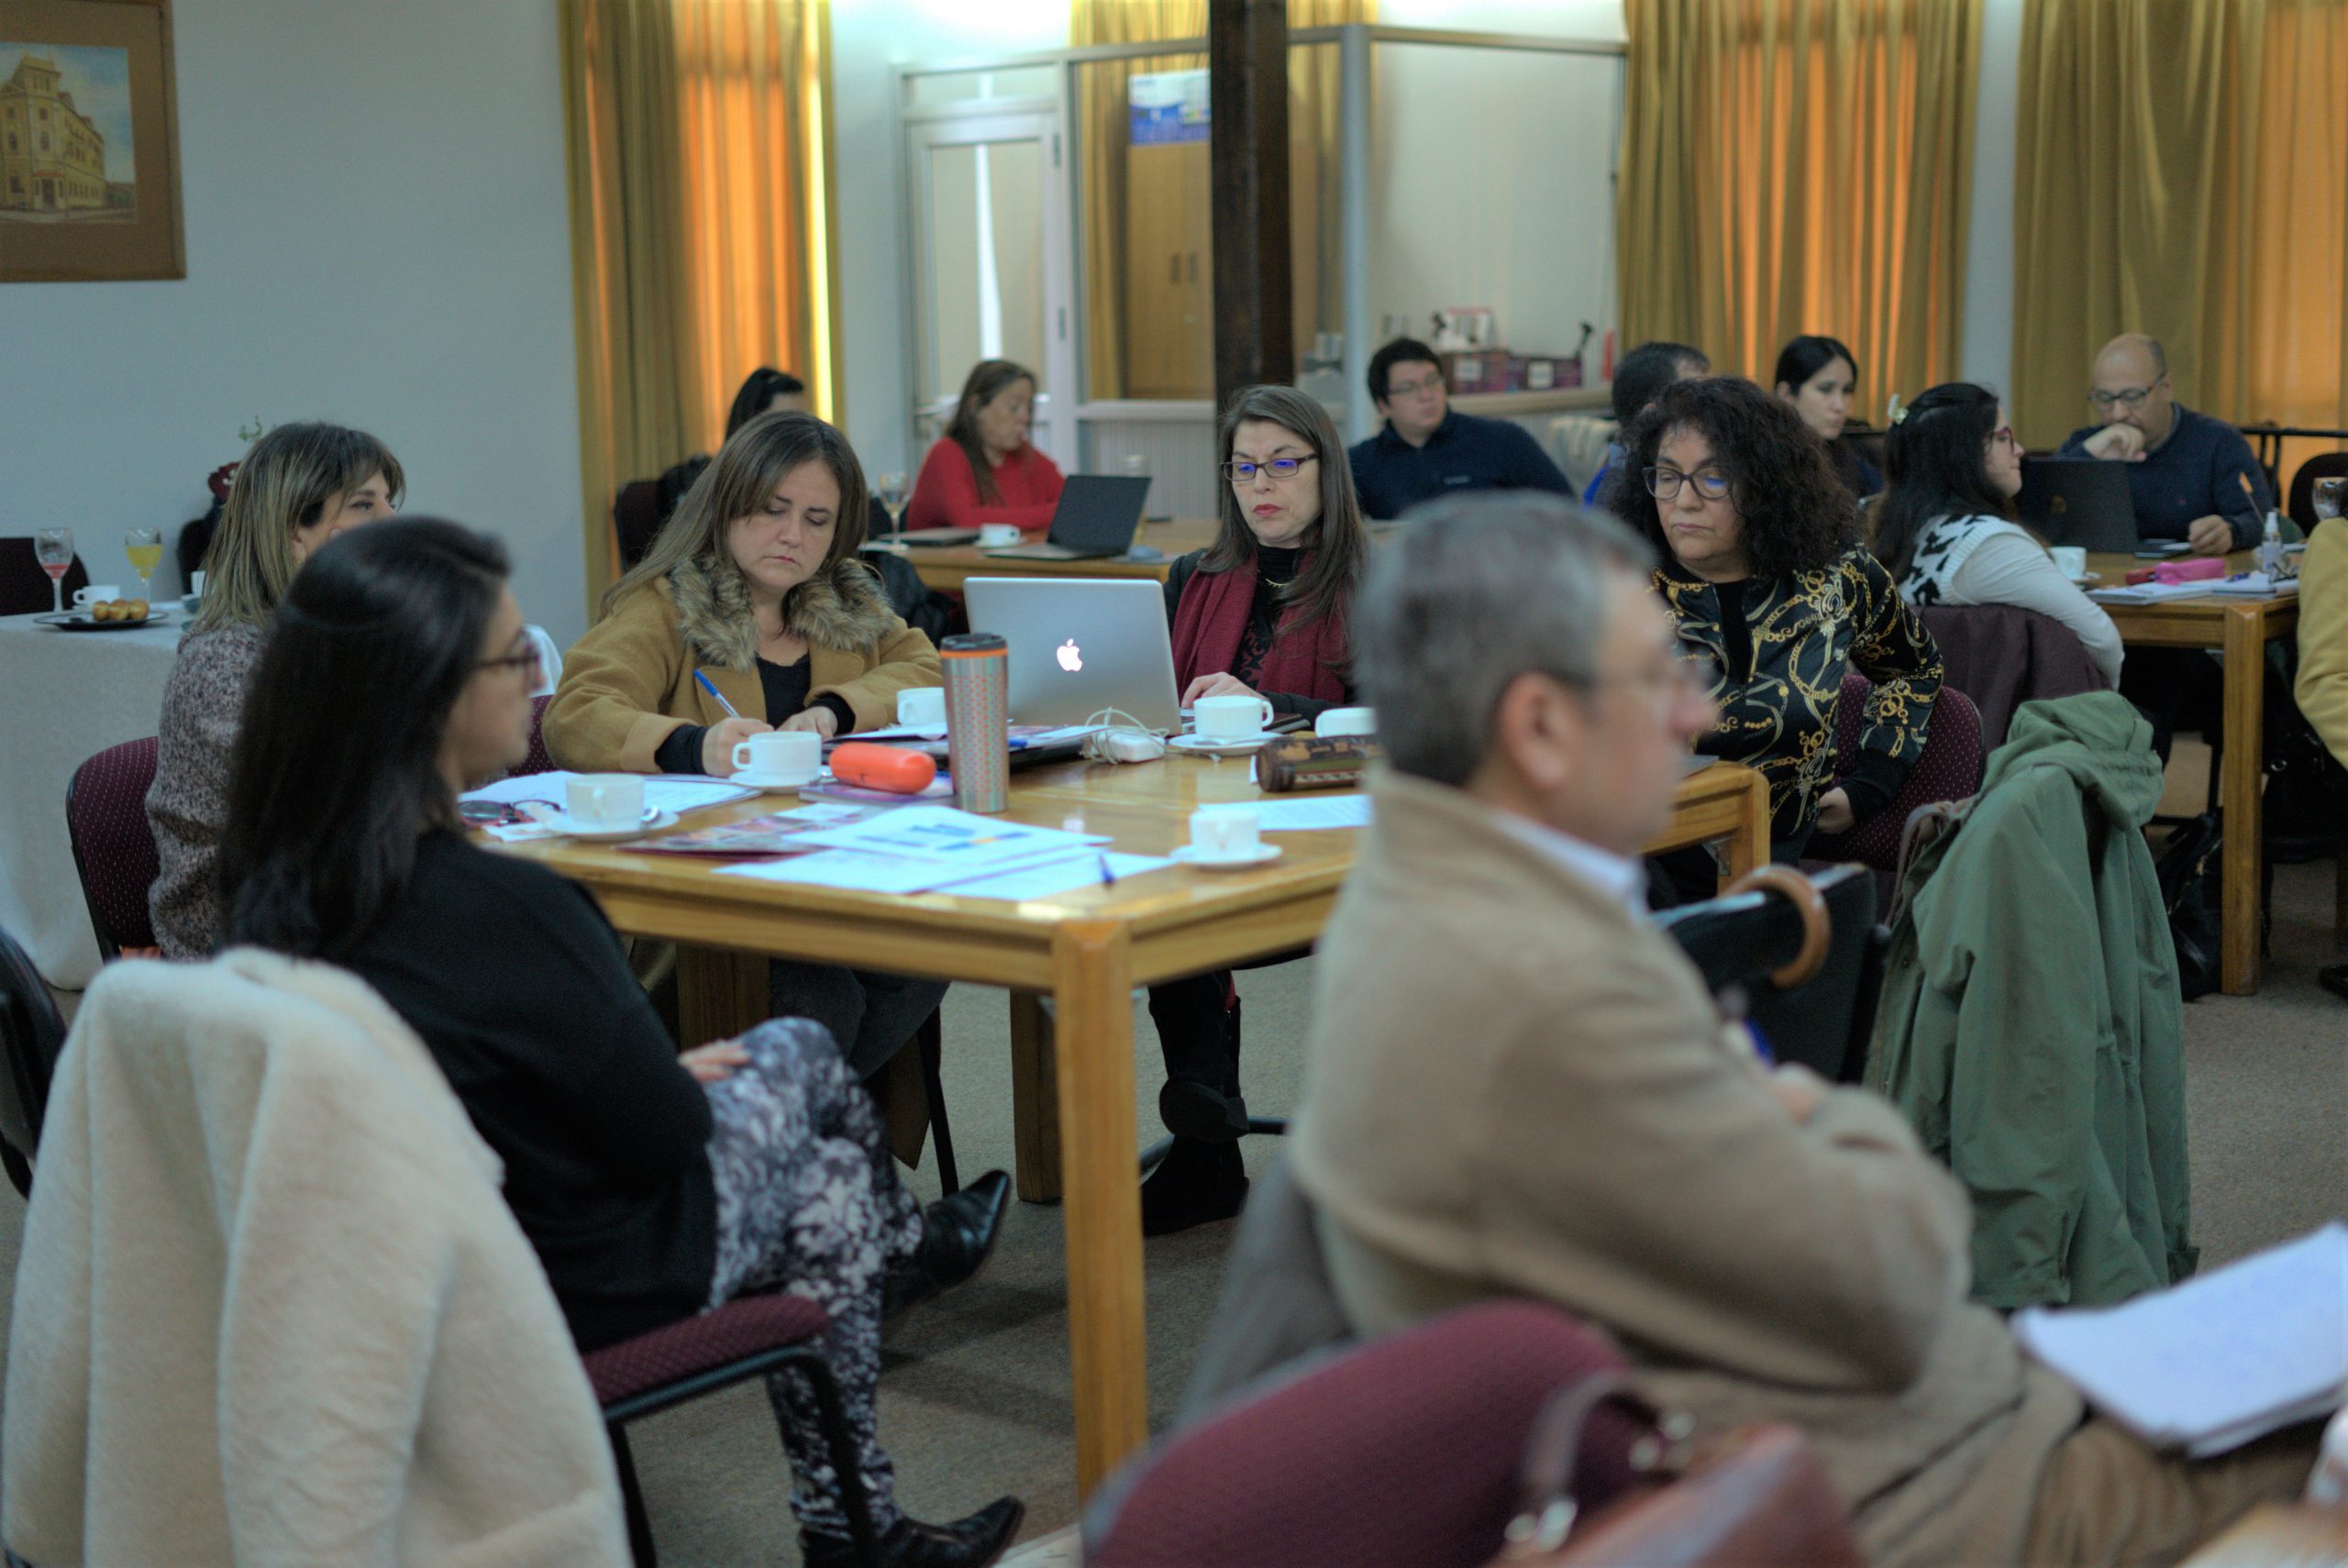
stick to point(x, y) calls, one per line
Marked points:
point(2215, 1362)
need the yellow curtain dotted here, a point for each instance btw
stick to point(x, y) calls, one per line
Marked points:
point(1794, 166)
point(700, 171)
point(1103, 115)
point(2179, 171)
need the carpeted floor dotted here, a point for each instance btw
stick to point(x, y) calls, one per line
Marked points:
point(975, 1396)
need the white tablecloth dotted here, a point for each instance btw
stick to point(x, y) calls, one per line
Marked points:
point(64, 696)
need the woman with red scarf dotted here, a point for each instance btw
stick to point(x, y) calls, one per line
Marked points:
point(1261, 612)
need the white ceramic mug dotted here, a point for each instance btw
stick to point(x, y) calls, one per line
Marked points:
point(1346, 721)
point(1224, 833)
point(921, 707)
point(994, 534)
point(95, 593)
point(1230, 717)
point(605, 799)
point(781, 757)
point(2072, 559)
point(195, 584)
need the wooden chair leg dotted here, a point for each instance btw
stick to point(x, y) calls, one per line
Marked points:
point(931, 1043)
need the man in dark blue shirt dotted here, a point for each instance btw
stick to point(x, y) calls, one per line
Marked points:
point(2185, 471)
point(1426, 450)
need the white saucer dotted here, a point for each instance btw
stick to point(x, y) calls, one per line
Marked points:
point(1238, 745)
point(2086, 579)
point(749, 780)
point(562, 823)
point(1188, 853)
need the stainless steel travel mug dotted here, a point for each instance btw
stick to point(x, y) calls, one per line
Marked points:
point(977, 720)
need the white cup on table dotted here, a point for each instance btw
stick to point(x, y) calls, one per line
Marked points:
point(1335, 721)
point(2071, 558)
point(94, 593)
point(994, 534)
point(1225, 832)
point(922, 708)
point(604, 800)
point(781, 757)
point(1231, 717)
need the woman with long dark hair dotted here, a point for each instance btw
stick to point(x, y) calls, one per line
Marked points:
point(299, 486)
point(1768, 585)
point(653, 1185)
point(1945, 528)
point(764, 390)
point(756, 584)
point(984, 469)
point(1261, 612)
point(1820, 377)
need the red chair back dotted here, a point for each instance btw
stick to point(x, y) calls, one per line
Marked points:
point(1950, 769)
point(114, 849)
point(538, 761)
point(1406, 1450)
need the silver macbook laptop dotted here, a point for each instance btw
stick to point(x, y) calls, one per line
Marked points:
point(1079, 644)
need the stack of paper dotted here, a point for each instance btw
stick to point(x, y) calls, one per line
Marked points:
point(2256, 585)
point(679, 793)
point(2154, 593)
point(922, 849)
point(2218, 1360)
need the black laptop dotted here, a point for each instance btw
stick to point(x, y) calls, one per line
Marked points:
point(1097, 517)
point(2080, 501)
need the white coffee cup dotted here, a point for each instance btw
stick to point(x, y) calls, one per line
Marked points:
point(2072, 559)
point(781, 757)
point(605, 799)
point(921, 707)
point(96, 592)
point(1224, 833)
point(1230, 717)
point(195, 584)
point(994, 534)
point(1346, 721)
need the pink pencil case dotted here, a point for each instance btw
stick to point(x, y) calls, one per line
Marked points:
point(2193, 570)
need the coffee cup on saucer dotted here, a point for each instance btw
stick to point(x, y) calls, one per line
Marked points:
point(1335, 721)
point(601, 801)
point(994, 534)
point(2072, 559)
point(94, 593)
point(780, 757)
point(1225, 832)
point(922, 708)
point(1230, 717)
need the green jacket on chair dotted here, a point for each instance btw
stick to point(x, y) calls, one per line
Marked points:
point(2029, 1026)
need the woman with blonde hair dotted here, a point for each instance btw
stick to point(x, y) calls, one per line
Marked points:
point(299, 486)
point(755, 585)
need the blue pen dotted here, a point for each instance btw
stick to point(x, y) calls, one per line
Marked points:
point(1108, 878)
point(716, 693)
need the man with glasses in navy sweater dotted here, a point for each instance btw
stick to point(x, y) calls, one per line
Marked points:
point(2186, 469)
point(1426, 449)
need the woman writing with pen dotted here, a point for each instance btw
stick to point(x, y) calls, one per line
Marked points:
point(752, 612)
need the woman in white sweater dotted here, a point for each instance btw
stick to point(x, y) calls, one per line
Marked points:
point(1944, 527)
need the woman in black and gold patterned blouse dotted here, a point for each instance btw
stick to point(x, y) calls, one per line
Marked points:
point(1764, 576)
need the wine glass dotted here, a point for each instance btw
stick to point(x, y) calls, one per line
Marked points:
point(54, 548)
point(892, 496)
point(145, 548)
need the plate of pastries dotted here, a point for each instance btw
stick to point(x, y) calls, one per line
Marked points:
point(105, 615)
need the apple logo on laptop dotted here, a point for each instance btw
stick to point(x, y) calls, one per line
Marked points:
point(1070, 658)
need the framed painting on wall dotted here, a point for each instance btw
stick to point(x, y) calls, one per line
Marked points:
point(89, 142)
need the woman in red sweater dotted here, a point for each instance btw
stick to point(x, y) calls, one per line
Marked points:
point(982, 469)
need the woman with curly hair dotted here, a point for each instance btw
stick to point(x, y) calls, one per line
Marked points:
point(1766, 583)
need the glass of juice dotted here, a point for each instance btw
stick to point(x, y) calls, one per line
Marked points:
point(53, 548)
point(145, 548)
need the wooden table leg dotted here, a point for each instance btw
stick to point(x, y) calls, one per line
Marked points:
point(720, 994)
point(2239, 799)
point(1749, 846)
point(1035, 1101)
point(1108, 1352)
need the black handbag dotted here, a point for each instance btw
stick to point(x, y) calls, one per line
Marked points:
point(2188, 873)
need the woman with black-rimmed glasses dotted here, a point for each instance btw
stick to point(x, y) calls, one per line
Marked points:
point(1261, 612)
point(653, 1185)
point(1765, 579)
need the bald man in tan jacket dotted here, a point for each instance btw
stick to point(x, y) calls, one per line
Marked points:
point(1515, 1087)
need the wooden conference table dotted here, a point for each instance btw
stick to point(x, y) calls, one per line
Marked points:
point(945, 567)
point(1086, 949)
point(2240, 629)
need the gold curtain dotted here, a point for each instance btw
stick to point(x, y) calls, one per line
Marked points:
point(700, 171)
point(1103, 141)
point(1794, 166)
point(2180, 171)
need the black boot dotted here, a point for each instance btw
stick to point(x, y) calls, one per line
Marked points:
point(972, 1543)
point(1201, 1097)
point(1196, 1184)
point(957, 1235)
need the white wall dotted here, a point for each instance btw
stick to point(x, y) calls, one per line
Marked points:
point(867, 37)
point(377, 235)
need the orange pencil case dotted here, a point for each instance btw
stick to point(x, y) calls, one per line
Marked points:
point(893, 768)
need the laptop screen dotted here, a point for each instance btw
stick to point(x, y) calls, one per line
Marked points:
point(1100, 512)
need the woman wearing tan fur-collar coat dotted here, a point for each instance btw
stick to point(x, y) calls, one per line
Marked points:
point(755, 583)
